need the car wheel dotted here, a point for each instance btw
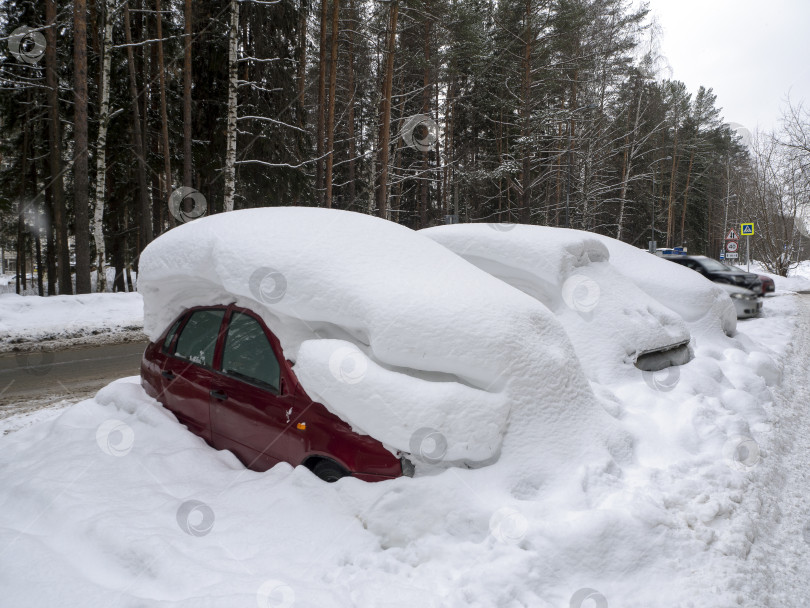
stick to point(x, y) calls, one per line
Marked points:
point(329, 471)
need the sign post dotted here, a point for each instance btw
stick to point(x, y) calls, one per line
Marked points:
point(747, 230)
point(730, 251)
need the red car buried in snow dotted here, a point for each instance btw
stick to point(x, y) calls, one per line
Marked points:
point(220, 370)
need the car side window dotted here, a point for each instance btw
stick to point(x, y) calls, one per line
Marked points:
point(248, 354)
point(168, 341)
point(199, 337)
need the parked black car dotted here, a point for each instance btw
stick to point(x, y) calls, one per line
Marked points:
point(717, 272)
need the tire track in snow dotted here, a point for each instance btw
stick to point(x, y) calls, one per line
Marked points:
point(779, 562)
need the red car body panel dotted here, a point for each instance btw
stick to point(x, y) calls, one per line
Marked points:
point(259, 425)
point(768, 285)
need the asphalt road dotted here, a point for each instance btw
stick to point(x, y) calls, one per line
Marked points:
point(71, 373)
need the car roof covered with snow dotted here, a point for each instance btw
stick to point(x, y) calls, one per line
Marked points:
point(608, 318)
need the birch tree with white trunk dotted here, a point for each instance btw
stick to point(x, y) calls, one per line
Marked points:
point(101, 147)
point(230, 144)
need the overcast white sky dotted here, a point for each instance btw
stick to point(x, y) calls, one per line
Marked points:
point(751, 52)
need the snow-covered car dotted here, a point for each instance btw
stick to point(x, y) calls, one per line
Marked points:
point(702, 304)
point(608, 318)
point(746, 302)
point(396, 337)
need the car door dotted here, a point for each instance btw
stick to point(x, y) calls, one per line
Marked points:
point(251, 409)
point(188, 370)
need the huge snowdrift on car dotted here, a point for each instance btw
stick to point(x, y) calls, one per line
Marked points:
point(611, 322)
point(704, 305)
point(389, 330)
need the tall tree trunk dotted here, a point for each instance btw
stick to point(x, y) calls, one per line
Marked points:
point(144, 216)
point(57, 186)
point(164, 115)
point(101, 147)
point(50, 243)
point(526, 112)
point(686, 194)
point(321, 109)
point(81, 205)
point(233, 78)
point(385, 111)
point(350, 116)
point(423, 184)
point(301, 76)
point(330, 121)
point(629, 154)
point(187, 166)
point(21, 206)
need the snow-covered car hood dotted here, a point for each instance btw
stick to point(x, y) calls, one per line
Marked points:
point(607, 317)
point(391, 331)
point(699, 301)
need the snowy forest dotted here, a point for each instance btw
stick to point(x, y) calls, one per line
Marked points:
point(122, 119)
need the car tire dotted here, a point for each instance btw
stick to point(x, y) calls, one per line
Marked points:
point(329, 471)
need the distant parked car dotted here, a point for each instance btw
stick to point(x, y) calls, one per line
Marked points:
point(717, 272)
point(746, 302)
point(221, 371)
point(768, 285)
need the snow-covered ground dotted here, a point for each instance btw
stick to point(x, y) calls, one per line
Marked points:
point(798, 278)
point(653, 489)
point(56, 322)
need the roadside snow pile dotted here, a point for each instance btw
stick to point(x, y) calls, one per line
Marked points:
point(56, 320)
point(610, 321)
point(798, 278)
point(389, 330)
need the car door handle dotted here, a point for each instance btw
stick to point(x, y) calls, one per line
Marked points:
point(218, 395)
point(168, 374)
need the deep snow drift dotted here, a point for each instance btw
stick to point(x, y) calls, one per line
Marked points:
point(389, 330)
point(115, 503)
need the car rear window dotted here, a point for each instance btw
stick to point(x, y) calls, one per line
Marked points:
point(199, 337)
point(248, 354)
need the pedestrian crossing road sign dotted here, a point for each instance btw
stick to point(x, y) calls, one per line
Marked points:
point(747, 229)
